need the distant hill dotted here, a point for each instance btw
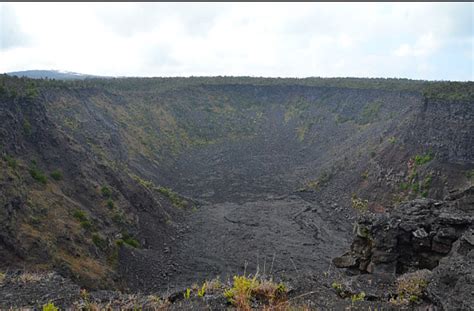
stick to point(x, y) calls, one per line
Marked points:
point(51, 74)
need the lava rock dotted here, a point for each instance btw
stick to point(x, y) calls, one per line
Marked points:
point(418, 235)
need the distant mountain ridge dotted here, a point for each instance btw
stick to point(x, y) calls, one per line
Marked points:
point(52, 74)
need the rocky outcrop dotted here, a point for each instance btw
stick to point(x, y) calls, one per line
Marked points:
point(416, 235)
point(452, 282)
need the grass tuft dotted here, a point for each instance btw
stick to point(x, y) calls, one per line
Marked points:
point(245, 289)
point(422, 159)
point(106, 192)
point(50, 307)
point(411, 287)
point(56, 175)
point(38, 175)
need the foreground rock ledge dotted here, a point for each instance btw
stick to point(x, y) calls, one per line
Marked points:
point(422, 234)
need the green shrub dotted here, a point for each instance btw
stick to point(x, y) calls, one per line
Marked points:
point(112, 257)
point(56, 175)
point(165, 191)
point(425, 187)
point(302, 130)
point(106, 192)
point(32, 92)
point(404, 186)
point(362, 231)
point(132, 242)
point(172, 196)
point(322, 181)
point(358, 297)
point(202, 290)
point(370, 112)
point(240, 294)
point(13, 94)
point(423, 159)
point(325, 178)
point(35, 220)
point(79, 215)
point(244, 289)
point(119, 218)
point(11, 162)
point(110, 203)
point(26, 127)
point(50, 307)
point(86, 224)
point(470, 176)
point(38, 175)
point(145, 183)
point(392, 140)
point(83, 219)
point(365, 175)
point(129, 240)
point(187, 293)
point(427, 182)
point(338, 288)
point(99, 241)
point(341, 119)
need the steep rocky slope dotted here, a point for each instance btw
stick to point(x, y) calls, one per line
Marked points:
point(154, 184)
point(61, 208)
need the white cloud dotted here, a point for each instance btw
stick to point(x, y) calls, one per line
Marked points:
point(260, 39)
point(11, 33)
point(425, 45)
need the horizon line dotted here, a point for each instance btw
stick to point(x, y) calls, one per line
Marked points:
point(97, 76)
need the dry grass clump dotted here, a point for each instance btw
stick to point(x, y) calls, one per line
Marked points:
point(210, 287)
point(359, 204)
point(410, 287)
point(125, 302)
point(246, 290)
point(27, 277)
point(31, 277)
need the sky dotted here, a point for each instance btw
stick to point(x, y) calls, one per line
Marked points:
point(431, 41)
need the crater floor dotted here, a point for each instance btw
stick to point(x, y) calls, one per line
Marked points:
point(283, 237)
